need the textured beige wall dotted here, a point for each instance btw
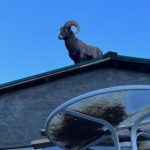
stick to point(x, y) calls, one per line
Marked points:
point(24, 112)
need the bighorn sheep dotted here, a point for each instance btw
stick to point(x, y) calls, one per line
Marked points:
point(78, 50)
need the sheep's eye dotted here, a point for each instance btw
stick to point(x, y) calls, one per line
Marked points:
point(66, 29)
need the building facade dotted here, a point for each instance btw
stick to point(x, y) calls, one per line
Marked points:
point(25, 104)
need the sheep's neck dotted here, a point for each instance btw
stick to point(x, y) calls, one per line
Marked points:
point(70, 43)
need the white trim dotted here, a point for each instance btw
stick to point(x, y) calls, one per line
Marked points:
point(52, 74)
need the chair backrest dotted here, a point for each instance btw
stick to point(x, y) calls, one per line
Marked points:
point(95, 117)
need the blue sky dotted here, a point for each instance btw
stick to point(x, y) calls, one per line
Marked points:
point(29, 31)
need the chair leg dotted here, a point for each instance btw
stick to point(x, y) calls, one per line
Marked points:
point(134, 134)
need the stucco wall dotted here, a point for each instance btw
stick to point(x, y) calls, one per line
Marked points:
point(24, 112)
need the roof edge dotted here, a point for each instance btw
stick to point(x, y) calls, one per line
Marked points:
point(53, 72)
point(120, 60)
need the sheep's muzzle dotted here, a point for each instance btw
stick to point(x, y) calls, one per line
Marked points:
point(60, 37)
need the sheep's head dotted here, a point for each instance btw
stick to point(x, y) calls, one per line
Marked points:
point(66, 31)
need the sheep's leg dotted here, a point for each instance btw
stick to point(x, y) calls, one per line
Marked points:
point(77, 60)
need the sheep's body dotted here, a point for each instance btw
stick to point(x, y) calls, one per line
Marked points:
point(78, 50)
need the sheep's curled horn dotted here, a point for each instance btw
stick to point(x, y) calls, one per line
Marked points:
point(72, 23)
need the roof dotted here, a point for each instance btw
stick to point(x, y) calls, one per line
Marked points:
point(110, 59)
